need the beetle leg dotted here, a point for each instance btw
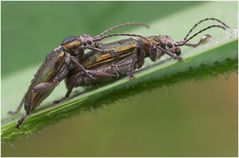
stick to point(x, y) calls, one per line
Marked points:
point(70, 87)
point(98, 75)
point(153, 53)
point(102, 74)
point(70, 84)
point(45, 86)
point(79, 53)
point(80, 67)
point(170, 53)
point(21, 120)
point(90, 76)
point(137, 58)
point(115, 69)
point(49, 86)
point(79, 79)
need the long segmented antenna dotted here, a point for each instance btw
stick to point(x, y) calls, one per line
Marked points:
point(121, 25)
point(181, 43)
point(203, 20)
point(122, 34)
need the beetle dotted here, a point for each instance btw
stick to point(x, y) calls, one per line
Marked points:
point(62, 64)
point(131, 56)
point(56, 66)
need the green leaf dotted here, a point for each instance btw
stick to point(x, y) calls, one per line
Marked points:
point(219, 55)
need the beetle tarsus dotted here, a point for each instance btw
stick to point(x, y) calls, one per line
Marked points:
point(60, 100)
point(131, 76)
point(21, 120)
point(12, 112)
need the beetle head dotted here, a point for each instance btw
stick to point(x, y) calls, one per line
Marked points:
point(71, 42)
point(168, 44)
point(165, 43)
point(87, 40)
point(74, 42)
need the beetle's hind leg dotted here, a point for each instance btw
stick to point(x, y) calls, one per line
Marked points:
point(21, 120)
point(46, 87)
point(70, 83)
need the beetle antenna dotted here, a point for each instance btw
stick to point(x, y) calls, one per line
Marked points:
point(123, 34)
point(122, 25)
point(181, 43)
point(203, 20)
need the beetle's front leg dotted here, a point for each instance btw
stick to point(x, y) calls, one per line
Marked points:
point(75, 62)
point(137, 58)
point(79, 52)
point(80, 79)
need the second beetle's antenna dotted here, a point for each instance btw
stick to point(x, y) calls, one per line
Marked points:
point(122, 34)
point(122, 25)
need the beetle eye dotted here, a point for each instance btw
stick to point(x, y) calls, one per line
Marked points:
point(170, 45)
point(89, 42)
point(178, 51)
point(69, 39)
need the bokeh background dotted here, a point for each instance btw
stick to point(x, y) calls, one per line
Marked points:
point(31, 29)
point(191, 118)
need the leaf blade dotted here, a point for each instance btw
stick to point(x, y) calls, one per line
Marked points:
point(207, 55)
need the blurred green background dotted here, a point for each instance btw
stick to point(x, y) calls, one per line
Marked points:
point(188, 119)
point(32, 29)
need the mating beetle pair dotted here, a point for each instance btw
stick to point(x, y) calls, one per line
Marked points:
point(103, 63)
